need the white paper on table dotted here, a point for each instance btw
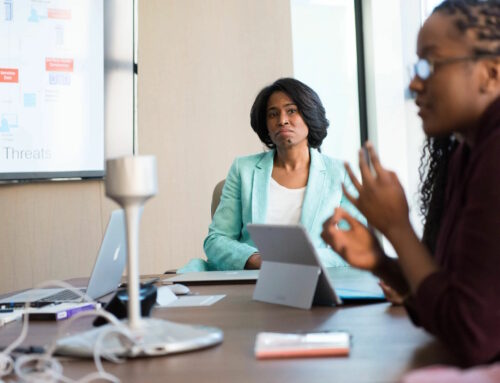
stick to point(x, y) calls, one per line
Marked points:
point(10, 317)
point(196, 300)
point(165, 296)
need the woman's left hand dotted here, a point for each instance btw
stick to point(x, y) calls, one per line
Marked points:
point(381, 197)
point(357, 245)
point(391, 294)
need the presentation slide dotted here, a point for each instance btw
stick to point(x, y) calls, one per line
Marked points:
point(51, 86)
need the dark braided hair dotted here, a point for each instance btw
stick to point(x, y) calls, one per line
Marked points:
point(433, 171)
point(482, 18)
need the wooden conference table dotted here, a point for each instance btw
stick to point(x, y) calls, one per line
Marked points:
point(385, 344)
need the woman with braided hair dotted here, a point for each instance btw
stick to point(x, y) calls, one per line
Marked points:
point(451, 278)
point(433, 171)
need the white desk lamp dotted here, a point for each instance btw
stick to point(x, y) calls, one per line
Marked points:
point(131, 181)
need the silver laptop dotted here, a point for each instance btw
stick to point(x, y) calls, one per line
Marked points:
point(106, 275)
point(215, 277)
point(292, 274)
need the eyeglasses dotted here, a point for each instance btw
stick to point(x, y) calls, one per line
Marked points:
point(424, 68)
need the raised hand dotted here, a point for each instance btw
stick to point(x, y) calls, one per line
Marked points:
point(357, 245)
point(381, 197)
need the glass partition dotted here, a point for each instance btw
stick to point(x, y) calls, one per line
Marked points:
point(325, 58)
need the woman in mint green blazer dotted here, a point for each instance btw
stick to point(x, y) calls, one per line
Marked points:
point(306, 185)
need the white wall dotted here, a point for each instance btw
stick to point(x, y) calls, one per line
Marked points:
point(201, 64)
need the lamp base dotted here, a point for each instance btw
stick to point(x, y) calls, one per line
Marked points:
point(155, 337)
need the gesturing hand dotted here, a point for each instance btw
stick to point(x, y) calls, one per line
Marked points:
point(391, 294)
point(381, 197)
point(357, 245)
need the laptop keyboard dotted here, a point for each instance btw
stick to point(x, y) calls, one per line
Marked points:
point(64, 295)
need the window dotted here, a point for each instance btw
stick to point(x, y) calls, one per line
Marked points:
point(324, 57)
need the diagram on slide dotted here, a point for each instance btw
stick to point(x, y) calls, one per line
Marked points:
point(51, 85)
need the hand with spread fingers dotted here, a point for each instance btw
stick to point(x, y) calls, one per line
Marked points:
point(381, 197)
point(382, 201)
point(357, 245)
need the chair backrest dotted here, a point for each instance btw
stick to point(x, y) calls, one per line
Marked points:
point(216, 196)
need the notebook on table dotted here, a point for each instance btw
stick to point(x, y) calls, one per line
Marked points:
point(105, 277)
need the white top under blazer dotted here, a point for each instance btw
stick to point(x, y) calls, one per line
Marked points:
point(284, 205)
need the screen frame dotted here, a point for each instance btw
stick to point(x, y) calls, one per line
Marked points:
point(119, 94)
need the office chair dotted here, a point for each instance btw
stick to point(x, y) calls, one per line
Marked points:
point(200, 264)
point(216, 196)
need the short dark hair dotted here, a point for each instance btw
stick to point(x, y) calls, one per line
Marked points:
point(308, 104)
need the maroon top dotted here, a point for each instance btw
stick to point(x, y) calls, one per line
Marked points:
point(460, 303)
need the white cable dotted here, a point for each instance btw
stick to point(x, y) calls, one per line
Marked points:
point(117, 326)
point(64, 328)
point(6, 361)
point(123, 333)
point(45, 367)
point(6, 365)
point(48, 368)
point(38, 368)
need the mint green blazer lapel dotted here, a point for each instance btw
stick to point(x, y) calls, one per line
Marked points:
point(260, 189)
point(314, 191)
